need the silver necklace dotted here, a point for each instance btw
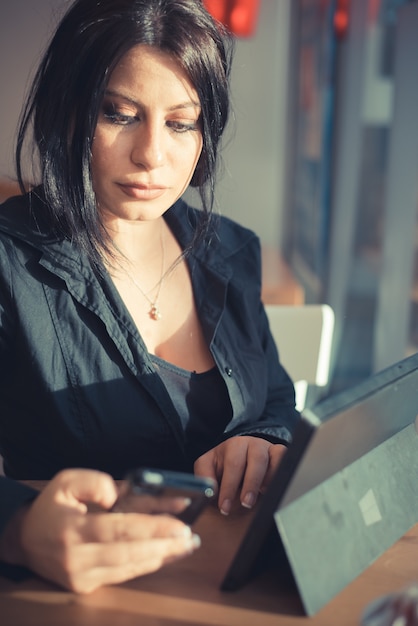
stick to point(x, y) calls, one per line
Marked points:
point(154, 312)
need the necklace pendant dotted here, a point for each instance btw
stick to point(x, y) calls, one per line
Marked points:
point(155, 313)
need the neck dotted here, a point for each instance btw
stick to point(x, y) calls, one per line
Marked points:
point(137, 242)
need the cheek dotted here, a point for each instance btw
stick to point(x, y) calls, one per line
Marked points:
point(102, 157)
point(96, 167)
point(104, 146)
point(197, 153)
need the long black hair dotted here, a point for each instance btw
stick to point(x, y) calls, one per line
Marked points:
point(63, 104)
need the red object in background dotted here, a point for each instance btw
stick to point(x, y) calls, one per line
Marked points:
point(342, 17)
point(240, 16)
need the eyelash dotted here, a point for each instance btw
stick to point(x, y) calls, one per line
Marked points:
point(119, 119)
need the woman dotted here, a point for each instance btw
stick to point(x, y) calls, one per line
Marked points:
point(132, 331)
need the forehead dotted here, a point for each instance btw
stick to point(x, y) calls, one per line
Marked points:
point(144, 66)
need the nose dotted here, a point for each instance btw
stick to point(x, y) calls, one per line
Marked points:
point(148, 147)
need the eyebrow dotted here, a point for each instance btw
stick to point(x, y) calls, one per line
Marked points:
point(182, 105)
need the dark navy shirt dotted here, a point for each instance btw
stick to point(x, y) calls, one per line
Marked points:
point(78, 387)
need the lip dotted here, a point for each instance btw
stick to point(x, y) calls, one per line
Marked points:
point(142, 191)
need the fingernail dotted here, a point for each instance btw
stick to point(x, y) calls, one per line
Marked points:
point(249, 500)
point(226, 507)
point(193, 543)
point(183, 531)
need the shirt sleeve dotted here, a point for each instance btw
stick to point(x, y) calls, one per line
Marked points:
point(13, 495)
point(279, 417)
point(266, 407)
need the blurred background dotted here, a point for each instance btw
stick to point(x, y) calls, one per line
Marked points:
point(320, 157)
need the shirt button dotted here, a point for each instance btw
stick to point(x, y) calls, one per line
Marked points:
point(228, 371)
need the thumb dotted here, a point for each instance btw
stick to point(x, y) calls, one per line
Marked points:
point(81, 485)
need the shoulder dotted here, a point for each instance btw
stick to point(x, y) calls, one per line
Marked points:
point(13, 211)
point(25, 218)
point(225, 236)
point(232, 236)
point(231, 251)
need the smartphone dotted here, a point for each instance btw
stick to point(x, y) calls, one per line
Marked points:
point(153, 491)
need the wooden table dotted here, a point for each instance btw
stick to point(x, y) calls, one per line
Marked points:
point(187, 592)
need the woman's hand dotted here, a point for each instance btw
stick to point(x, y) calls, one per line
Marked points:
point(243, 466)
point(59, 539)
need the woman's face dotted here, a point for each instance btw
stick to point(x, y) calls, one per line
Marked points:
point(148, 138)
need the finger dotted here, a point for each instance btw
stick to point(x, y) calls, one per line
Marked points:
point(207, 467)
point(146, 503)
point(258, 460)
point(234, 467)
point(276, 453)
point(111, 527)
point(126, 553)
point(97, 565)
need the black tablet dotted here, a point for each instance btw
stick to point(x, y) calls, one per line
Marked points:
point(346, 489)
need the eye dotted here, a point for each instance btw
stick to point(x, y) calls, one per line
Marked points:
point(183, 127)
point(115, 116)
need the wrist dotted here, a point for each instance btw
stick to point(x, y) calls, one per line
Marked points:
point(11, 548)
